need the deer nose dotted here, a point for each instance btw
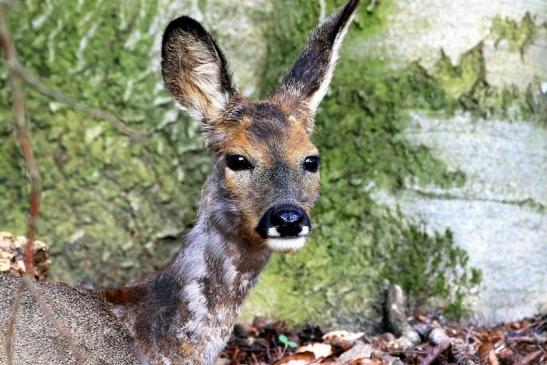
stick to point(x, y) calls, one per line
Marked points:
point(284, 221)
point(288, 221)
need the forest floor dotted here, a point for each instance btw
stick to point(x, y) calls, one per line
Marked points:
point(425, 339)
point(438, 342)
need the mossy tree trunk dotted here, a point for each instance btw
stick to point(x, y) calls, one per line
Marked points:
point(432, 137)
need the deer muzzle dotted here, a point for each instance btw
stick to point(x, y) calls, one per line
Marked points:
point(284, 227)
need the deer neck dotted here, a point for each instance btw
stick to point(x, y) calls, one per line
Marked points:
point(185, 313)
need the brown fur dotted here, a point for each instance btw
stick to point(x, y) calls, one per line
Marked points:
point(101, 337)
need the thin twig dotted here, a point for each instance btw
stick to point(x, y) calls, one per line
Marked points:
point(22, 134)
point(23, 138)
point(11, 323)
point(532, 325)
point(532, 339)
point(530, 357)
point(96, 113)
point(435, 353)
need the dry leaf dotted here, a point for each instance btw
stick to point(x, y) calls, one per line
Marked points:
point(365, 362)
point(360, 350)
point(484, 352)
point(340, 336)
point(318, 349)
point(300, 358)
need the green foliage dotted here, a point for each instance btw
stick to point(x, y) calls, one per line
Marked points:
point(286, 342)
point(416, 260)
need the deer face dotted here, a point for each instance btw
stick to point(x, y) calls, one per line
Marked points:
point(270, 170)
point(266, 168)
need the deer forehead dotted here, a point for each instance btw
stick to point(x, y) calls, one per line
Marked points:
point(267, 134)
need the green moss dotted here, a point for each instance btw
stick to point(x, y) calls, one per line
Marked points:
point(518, 34)
point(114, 209)
point(288, 29)
point(459, 80)
point(372, 16)
point(416, 261)
point(290, 23)
point(465, 87)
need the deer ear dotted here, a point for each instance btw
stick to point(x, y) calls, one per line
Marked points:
point(310, 76)
point(195, 70)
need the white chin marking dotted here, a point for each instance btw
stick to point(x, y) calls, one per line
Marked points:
point(286, 244)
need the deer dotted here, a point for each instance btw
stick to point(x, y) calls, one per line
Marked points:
point(256, 201)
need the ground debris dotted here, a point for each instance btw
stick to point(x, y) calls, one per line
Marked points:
point(441, 343)
point(11, 256)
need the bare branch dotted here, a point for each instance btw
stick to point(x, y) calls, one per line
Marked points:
point(22, 134)
point(96, 113)
point(23, 138)
point(435, 353)
point(530, 357)
point(532, 339)
point(396, 318)
point(11, 323)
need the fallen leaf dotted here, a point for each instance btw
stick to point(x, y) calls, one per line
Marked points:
point(365, 362)
point(300, 358)
point(338, 336)
point(222, 361)
point(318, 349)
point(484, 351)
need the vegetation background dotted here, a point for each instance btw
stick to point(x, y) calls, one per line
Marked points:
point(435, 123)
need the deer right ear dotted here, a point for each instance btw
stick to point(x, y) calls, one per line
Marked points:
point(308, 80)
point(194, 69)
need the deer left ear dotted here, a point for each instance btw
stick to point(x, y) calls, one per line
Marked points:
point(195, 70)
point(310, 76)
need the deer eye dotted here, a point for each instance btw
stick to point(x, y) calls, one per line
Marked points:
point(238, 163)
point(311, 163)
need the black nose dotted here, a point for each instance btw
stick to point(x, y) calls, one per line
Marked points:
point(284, 221)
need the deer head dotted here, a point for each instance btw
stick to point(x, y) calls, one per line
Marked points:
point(265, 178)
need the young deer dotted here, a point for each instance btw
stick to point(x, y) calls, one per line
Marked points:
point(257, 200)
